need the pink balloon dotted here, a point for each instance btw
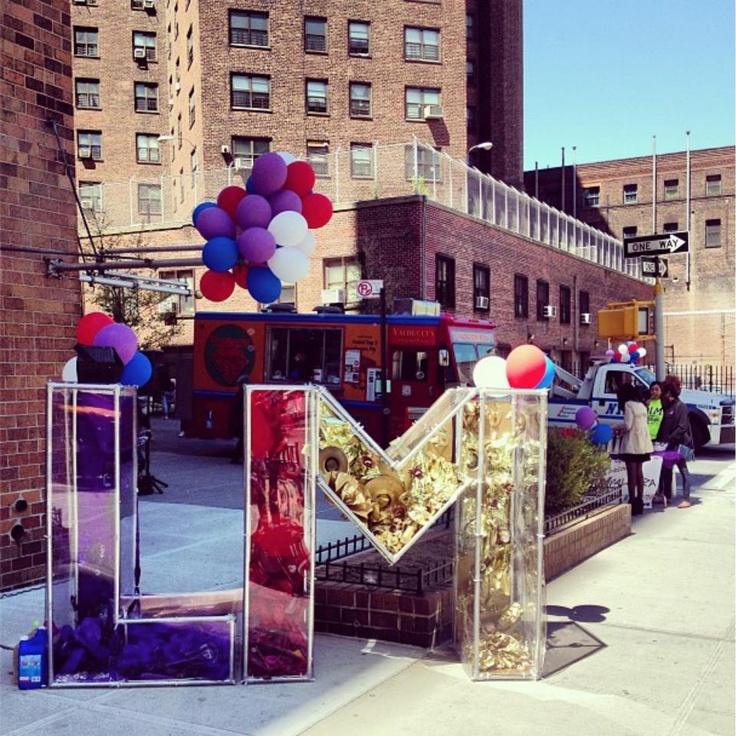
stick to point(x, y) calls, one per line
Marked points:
point(253, 211)
point(256, 244)
point(121, 338)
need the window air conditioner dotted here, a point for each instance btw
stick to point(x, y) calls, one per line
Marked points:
point(169, 305)
point(177, 86)
point(80, 2)
point(585, 318)
point(242, 162)
point(225, 150)
point(92, 2)
point(433, 112)
point(481, 302)
point(549, 311)
point(333, 296)
point(149, 4)
point(85, 152)
point(139, 54)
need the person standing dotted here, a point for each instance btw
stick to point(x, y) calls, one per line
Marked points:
point(636, 444)
point(673, 432)
point(654, 409)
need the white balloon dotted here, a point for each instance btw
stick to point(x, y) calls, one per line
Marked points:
point(623, 348)
point(308, 245)
point(490, 372)
point(289, 228)
point(288, 157)
point(289, 264)
point(642, 352)
point(69, 372)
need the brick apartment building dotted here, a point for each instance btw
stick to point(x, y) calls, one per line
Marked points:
point(686, 191)
point(38, 315)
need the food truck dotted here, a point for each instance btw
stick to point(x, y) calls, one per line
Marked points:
point(343, 352)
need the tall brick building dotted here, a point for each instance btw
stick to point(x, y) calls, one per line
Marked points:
point(693, 191)
point(38, 315)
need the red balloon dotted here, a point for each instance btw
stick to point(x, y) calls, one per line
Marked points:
point(216, 285)
point(316, 210)
point(240, 274)
point(90, 325)
point(525, 366)
point(300, 178)
point(229, 199)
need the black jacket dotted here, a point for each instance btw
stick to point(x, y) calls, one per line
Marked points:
point(675, 427)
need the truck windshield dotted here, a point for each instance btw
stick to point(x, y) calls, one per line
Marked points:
point(466, 356)
point(646, 375)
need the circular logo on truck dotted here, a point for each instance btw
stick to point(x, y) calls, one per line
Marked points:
point(229, 355)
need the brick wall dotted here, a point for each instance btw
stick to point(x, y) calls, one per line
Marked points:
point(37, 315)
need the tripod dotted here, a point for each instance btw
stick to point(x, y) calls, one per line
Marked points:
point(148, 483)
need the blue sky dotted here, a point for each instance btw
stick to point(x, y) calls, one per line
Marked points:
point(607, 76)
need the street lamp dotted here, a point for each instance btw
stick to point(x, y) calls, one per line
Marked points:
point(485, 146)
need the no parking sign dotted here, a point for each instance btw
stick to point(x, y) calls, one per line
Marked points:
point(367, 288)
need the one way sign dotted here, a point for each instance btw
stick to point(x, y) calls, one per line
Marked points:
point(649, 267)
point(654, 245)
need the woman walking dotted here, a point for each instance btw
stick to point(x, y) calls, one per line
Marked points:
point(636, 444)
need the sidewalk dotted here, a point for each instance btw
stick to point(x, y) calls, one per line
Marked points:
point(648, 621)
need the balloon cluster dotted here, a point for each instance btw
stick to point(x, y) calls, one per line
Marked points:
point(628, 352)
point(98, 328)
point(260, 236)
point(526, 367)
point(587, 420)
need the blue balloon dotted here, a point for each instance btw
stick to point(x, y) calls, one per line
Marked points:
point(549, 374)
point(249, 186)
point(602, 434)
point(220, 253)
point(138, 371)
point(201, 208)
point(263, 285)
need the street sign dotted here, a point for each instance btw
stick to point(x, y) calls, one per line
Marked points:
point(369, 287)
point(649, 267)
point(653, 245)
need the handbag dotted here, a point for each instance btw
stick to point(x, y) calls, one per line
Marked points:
point(688, 454)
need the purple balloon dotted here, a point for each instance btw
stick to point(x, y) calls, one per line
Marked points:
point(256, 244)
point(121, 338)
point(214, 222)
point(253, 211)
point(269, 174)
point(585, 418)
point(285, 200)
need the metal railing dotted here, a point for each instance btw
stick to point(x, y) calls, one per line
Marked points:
point(393, 170)
point(715, 378)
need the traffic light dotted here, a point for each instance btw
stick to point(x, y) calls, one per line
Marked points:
point(624, 321)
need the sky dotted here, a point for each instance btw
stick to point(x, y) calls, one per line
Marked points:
point(607, 76)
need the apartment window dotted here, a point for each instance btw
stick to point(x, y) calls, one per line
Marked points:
point(194, 164)
point(521, 296)
point(421, 44)
point(248, 28)
point(177, 74)
point(417, 98)
point(629, 231)
point(90, 195)
point(713, 185)
point(86, 42)
point(671, 227)
point(89, 144)
point(318, 156)
point(361, 160)
point(316, 96)
point(147, 150)
point(182, 304)
point(470, 72)
point(343, 273)
point(712, 233)
point(470, 117)
point(192, 108)
point(469, 25)
point(250, 92)
point(360, 100)
point(591, 196)
point(421, 163)
point(178, 130)
point(176, 21)
point(481, 287)
point(247, 150)
point(146, 97)
point(315, 34)
point(190, 46)
point(181, 184)
point(671, 188)
point(631, 193)
point(584, 302)
point(565, 302)
point(145, 42)
point(542, 298)
point(358, 38)
point(444, 282)
point(149, 199)
point(87, 93)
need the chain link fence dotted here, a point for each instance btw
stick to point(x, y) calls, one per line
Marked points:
point(361, 173)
